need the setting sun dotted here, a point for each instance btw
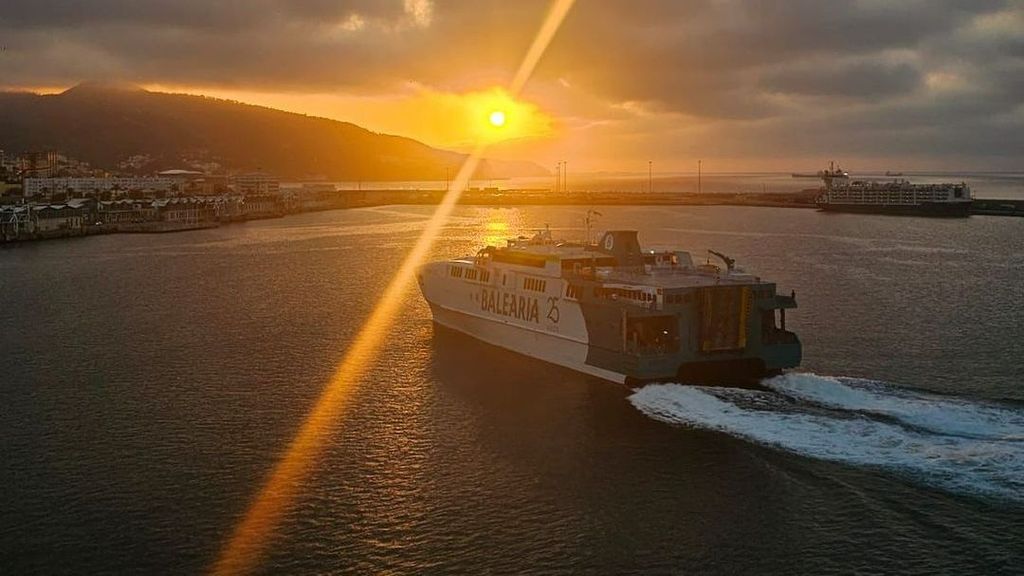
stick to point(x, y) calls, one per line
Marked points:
point(497, 118)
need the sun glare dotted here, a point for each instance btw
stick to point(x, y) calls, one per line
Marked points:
point(246, 544)
point(454, 120)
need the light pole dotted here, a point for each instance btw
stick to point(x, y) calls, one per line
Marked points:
point(698, 176)
point(650, 176)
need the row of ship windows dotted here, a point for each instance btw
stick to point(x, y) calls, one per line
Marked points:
point(571, 291)
point(469, 273)
point(677, 298)
point(637, 295)
point(535, 284)
point(872, 194)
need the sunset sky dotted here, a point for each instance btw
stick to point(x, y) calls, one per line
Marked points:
point(744, 85)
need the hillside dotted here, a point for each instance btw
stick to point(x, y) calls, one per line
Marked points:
point(105, 124)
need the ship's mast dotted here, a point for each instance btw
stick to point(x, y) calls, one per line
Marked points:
point(588, 222)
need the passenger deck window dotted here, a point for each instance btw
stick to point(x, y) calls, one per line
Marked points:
point(534, 284)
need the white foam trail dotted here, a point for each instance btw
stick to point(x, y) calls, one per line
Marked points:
point(955, 463)
point(939, 414)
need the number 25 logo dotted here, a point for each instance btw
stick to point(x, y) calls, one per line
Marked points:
point(553, 314)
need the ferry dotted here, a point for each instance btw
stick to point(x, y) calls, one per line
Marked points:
point(898, 196)
point(616, 311)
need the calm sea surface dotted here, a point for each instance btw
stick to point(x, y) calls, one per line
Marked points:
point(148, 384)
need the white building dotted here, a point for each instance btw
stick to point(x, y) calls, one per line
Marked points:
point(84, 185)
point(256, 183)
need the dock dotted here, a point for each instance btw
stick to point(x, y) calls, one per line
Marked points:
point(545, 197)
point(996, 207)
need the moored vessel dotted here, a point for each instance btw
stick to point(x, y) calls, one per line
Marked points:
point(898, 196)
point(616, 311)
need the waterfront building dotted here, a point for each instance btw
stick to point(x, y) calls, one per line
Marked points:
point(16, 222)
point(186, 210)
point(207, 185)
point(45, 220)
point(262, 205)
point(256, 183)
point(195, 183)
point(125, 211)
point(58, 217)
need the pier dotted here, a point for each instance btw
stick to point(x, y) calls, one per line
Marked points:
point(996, 207)
point(546, 197)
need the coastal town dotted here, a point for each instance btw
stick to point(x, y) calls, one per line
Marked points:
point(49, 195)
point(46, 195)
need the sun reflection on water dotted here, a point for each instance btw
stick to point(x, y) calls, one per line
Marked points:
point(495, 232)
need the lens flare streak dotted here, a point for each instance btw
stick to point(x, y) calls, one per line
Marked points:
point(242, 551)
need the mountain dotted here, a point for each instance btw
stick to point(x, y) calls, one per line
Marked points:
point(105, 124)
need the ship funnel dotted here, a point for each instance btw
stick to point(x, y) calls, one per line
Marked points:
point(623, 245)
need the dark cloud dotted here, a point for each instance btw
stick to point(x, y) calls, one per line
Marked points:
point(198, 14)
point(871, 66)
point(726, 46)
point(870, 80)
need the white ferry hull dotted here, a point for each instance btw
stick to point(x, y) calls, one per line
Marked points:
point(549, 328)
point(535, 344)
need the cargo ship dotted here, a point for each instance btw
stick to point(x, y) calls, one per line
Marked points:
point(616, 311)
point(898, 196)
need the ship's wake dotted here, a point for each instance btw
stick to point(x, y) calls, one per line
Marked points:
point(955, 444)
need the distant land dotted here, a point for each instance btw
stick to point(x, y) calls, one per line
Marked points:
point(105, 124)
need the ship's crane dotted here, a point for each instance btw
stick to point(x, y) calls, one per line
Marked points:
point(730, 263)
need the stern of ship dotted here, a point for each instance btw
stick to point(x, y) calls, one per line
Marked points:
point(731, 335)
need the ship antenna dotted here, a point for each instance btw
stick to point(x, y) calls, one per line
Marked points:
point(588, 222)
